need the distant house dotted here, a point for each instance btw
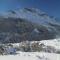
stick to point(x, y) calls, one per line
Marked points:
point(10, 50)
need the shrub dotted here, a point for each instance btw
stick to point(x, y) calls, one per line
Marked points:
point(1, 50)
point(36, 47)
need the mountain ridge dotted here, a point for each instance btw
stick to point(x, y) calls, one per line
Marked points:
point(27, 24)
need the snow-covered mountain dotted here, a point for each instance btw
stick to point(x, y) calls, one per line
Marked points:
point(28, 24)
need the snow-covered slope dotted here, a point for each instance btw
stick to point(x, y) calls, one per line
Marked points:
point(55, 43)
point(36, 55)
point(41, 55)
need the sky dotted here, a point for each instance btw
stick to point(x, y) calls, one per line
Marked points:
point(51, 7)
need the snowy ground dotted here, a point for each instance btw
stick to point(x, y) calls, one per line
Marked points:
point(36, 55)
point(32, 56)
point(55, 43)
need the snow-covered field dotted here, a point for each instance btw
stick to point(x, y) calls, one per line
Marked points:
point(36, 55)
point(32, 56)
